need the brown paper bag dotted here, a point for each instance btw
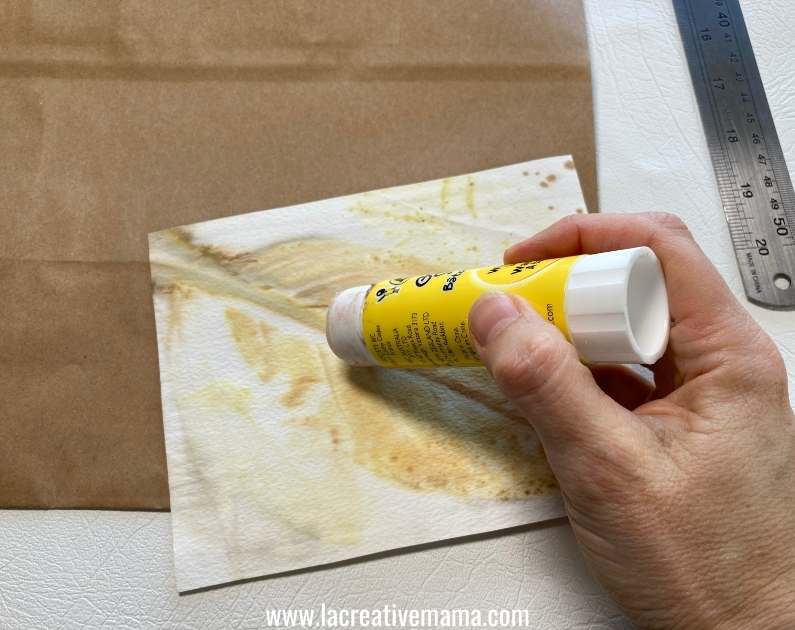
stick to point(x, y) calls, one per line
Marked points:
point(123, 118)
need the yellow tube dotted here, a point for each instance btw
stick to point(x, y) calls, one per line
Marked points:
point(612, 306)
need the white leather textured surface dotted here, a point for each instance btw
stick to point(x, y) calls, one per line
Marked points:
point(114, 569)
point(81, 570)
point(652, 154)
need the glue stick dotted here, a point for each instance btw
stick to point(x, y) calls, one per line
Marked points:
point(612, 307)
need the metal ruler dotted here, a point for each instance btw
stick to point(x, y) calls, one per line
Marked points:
point(755, 186)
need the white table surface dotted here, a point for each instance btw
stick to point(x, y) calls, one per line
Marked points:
point(89, 569)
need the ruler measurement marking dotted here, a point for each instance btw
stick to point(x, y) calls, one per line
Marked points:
point(754, 185)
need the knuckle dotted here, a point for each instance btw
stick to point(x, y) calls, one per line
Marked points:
point(525, 370)
point(757, 357)
point(573, 222)
point(512, 373)
point(671, 223)
point(769, 368)
point(571, 219)
point(778, 371)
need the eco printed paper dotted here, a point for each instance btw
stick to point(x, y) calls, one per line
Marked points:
point(280, 456)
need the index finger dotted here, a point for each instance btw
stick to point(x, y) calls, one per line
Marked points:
point(692, 280)
point(702, 307)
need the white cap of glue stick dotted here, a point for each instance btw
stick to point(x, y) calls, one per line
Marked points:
point(615, 304)
point(617, 307)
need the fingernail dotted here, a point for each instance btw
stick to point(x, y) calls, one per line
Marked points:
point(489, 315)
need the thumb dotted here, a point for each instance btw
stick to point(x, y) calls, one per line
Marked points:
point(539, 371)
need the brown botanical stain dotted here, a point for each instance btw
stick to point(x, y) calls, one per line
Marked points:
point(313, 271)
point(252, 339)
point(301, 489)
point(455, 189)
point(543, 184)
point(427, 430)
point(299, 388)
point(226, 395)
point(177, 295)
point(295, 278)
point(215, 272)
point(569, 164)
point(298, 490)
point(447, 431)
point(550, 207)
point(525, 173)
point(403, 428)
point(579, 211)
point(269, 353)
point(551, 178)
point(412, 215)
point(470, 195)
point(444, 193)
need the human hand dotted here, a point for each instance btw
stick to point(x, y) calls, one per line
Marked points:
point(682, 498)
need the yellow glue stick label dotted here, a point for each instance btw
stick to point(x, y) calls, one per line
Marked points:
point(422, 321)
